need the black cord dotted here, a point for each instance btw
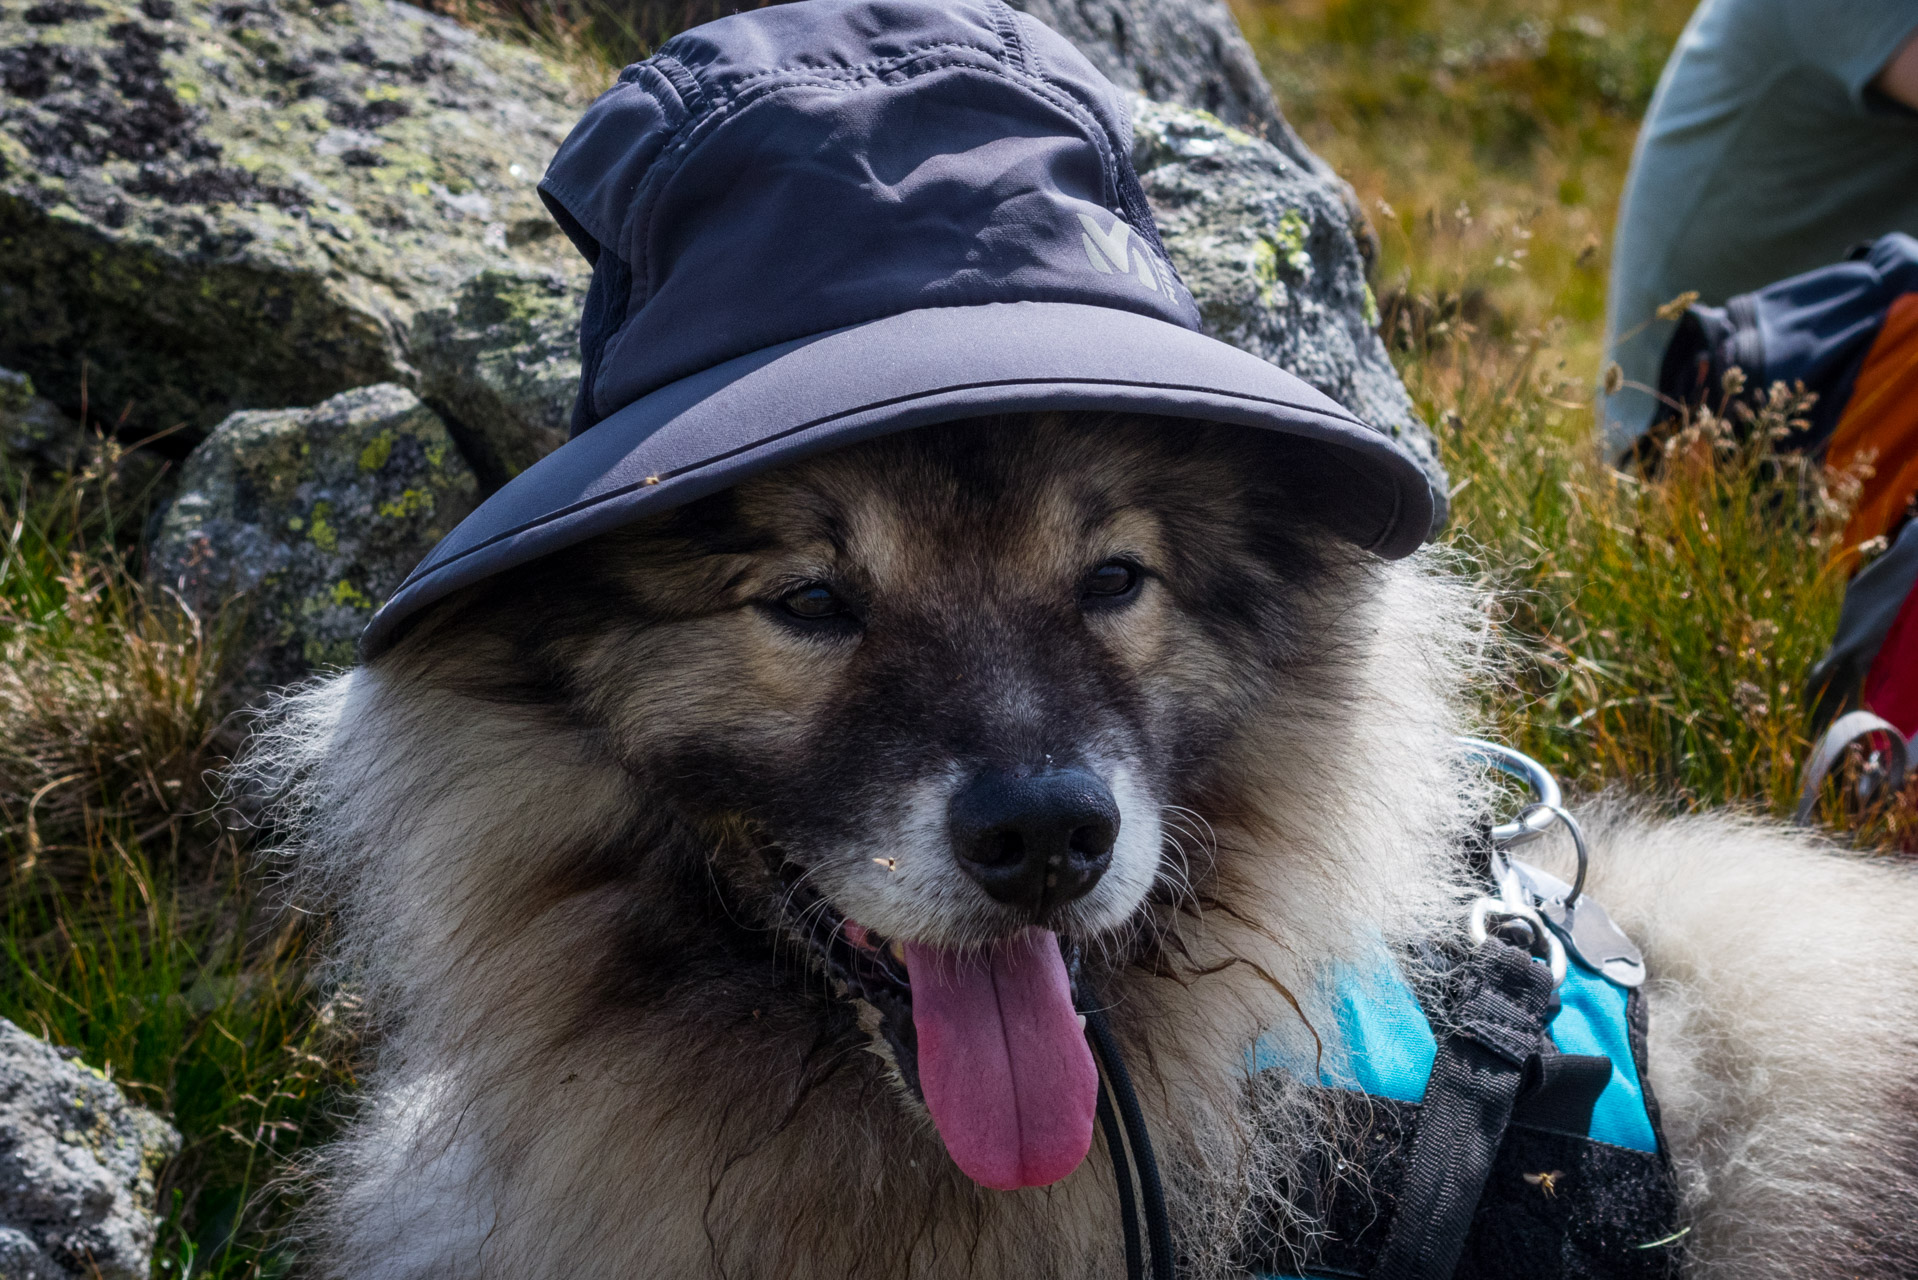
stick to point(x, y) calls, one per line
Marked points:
point(1122, 1174)
point(1158, 1226)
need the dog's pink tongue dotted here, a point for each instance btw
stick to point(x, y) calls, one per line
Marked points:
point(1002, 1060)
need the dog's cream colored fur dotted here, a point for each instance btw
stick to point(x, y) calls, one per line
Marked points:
point(1783, 1037)
point(511, 1128)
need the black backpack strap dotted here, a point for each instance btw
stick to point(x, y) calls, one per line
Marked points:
point(1500, 1004)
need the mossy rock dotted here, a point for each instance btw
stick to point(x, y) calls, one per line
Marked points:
point(501, 364)
point(307, 519)
point(211, 205)
point(1268, 251)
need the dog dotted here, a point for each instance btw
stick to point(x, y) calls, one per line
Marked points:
point(599, 836)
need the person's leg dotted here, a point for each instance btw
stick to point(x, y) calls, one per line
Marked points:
point(1770, 149)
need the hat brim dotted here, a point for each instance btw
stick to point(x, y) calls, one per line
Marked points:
point(723, 425)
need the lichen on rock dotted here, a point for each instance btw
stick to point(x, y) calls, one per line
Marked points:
point(1269, 255)
point(214, 204)
point(501, 364)
point(77, 1168)
point(310, 518)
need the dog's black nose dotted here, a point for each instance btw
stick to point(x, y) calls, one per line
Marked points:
point(1035, 841)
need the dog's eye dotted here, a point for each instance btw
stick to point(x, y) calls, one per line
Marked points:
point(1112, 580)
point(812, 601)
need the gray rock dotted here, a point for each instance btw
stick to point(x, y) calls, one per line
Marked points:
point(39, 442)
point(1268, 254)
point(501, 365)
point(310, 518)
point(1191, 53)
point(218, 204)
point(77, 1167)
point(34, 434)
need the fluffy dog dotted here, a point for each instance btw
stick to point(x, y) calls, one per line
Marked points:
point(641, 854)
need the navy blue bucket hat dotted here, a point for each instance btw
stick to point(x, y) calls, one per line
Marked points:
point(815, 223)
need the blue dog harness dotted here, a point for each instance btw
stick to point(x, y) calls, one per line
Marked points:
point(1386, 1047)
point(1580, 1185)
point(1507, 1132)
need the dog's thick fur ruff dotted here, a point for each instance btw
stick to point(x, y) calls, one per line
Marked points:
point(552, 824)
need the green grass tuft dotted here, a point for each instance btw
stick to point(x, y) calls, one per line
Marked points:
point(134, 927)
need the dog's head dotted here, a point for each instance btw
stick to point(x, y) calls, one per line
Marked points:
point(952, 713)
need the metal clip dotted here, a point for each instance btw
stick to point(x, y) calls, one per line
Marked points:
point(1885, 766)
point(1479, 927)
point(1584, 928)
point(1529, 826)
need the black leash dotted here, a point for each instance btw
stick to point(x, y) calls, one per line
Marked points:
point(1158, 1224)
point(1122, 1173)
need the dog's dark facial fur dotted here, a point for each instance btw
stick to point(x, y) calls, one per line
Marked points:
point(805, 765)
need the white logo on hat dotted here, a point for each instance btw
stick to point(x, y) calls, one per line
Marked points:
point(1113, 250)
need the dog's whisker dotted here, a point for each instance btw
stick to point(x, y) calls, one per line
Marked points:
point(1207, 837)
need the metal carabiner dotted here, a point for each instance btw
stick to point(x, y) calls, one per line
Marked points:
point(1529, 825)
point(1579, 926)
point(1515, 900)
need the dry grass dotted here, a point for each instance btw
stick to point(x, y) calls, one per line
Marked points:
point(1667, 624)
point(110, 702)
point(112, 721)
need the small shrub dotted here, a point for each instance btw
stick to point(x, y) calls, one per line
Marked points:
point(1665, 622)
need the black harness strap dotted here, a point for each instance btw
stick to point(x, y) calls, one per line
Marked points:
point(1500, 1003)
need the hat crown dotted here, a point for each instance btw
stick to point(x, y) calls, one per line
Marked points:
point(797, 169)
